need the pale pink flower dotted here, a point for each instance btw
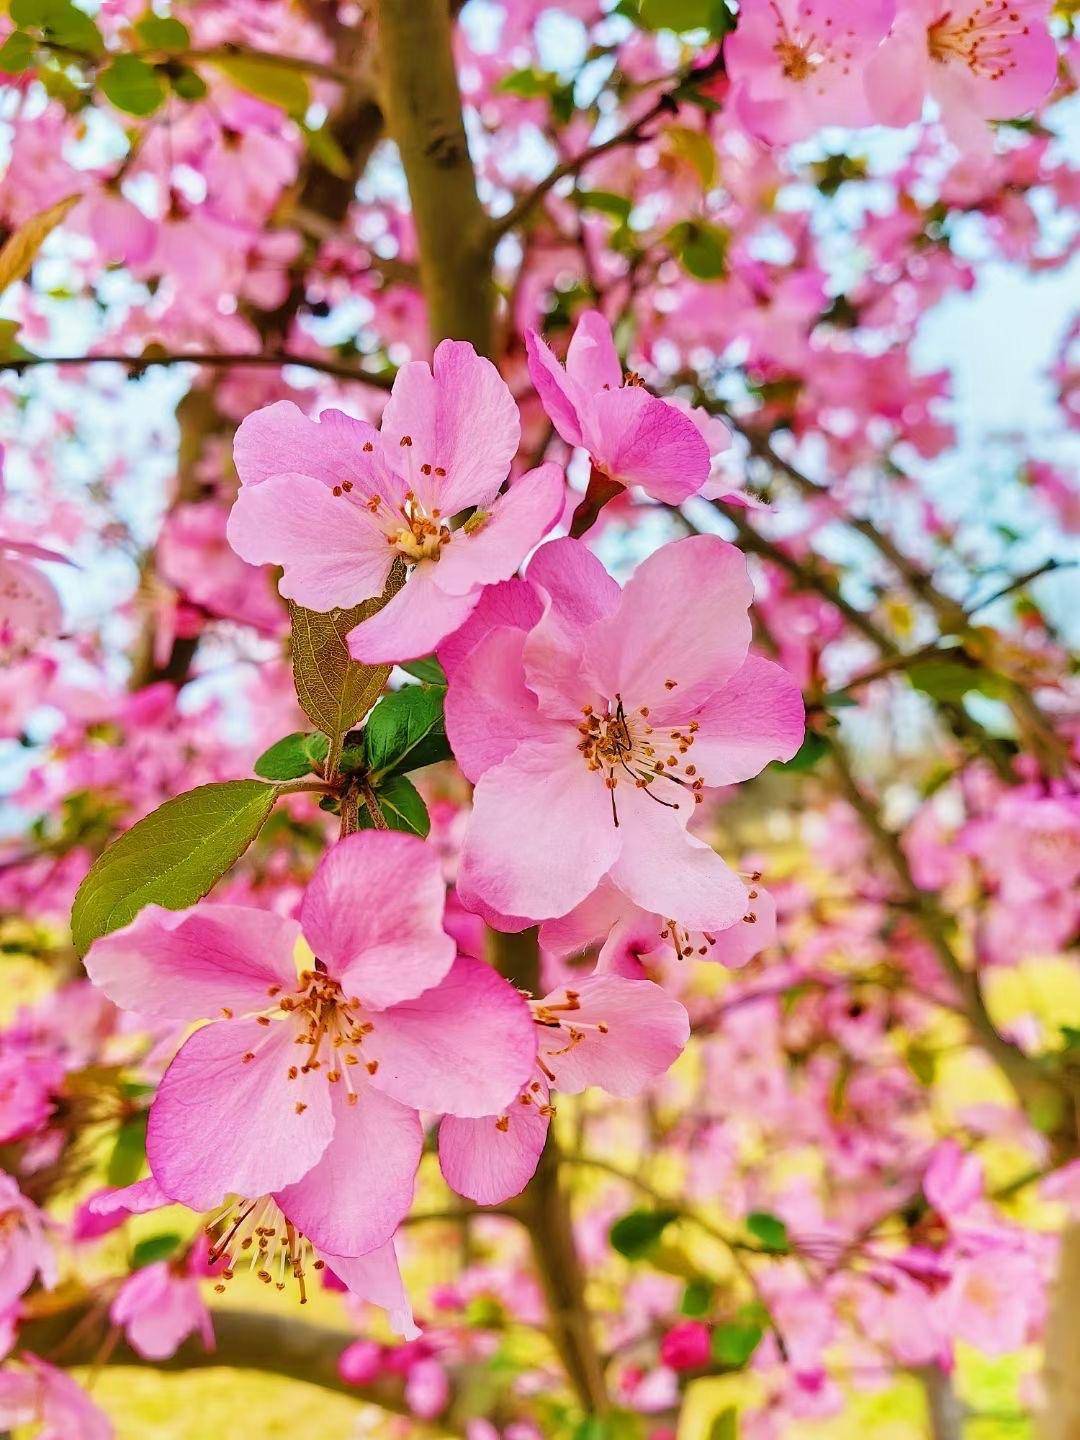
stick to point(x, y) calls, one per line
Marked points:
point(30, 610)
point(993, 1301)
point(40, 1394)
point(953, 1180)
point(387, 1016)
point(633, 437)
point(606, 1030)
point(591, 735)
point(25, 1251)
point(796, 65)
point(336, 502)
point(121, 232)
point(158, 1307)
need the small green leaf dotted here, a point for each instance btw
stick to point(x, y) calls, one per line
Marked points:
point(154, 1248)
point(428, 670)
point(950, 680)
point(402, 806)
point(132, 85)
point(128, 1153)
point(635, 1233)
point(325, 149)
point(605, 201)
point(725, 1426)
point(18, 53)
point(733, 1344)
point(769, 1231)
point(158, 32)
point(187, 83)
point(293, 756)
point(59, 21)
point(277, 84)
point(406, 731)
point(813, 749)
point(701, 248)
point(171, 857)
point(697, 1298)
point(683, 15)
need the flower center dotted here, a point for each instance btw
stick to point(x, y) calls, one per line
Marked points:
point(794, 60)
point(554, 1015)
point(981, 40)
point(623, 746)
point(257, 1231)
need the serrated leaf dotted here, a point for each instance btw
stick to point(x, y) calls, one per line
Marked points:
point(293, 756)
point(18, 53)
point(635, 1233)
point(128, 1153)
point(22, 245)
point(277, 84)
point(769, 1231)
point(402, 807)
point(155, 1248)
point(733, 1344)
point(171, 857)
point(132, 85)
point(163, 32)
point(334, 691)
point(406, 730)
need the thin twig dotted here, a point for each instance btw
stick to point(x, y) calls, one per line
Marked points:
point(213, 360)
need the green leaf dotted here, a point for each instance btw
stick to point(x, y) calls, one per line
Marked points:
point(159, 32)
point(172, 857)
point(293, 756)
point(22, 245)
point(18, 53)
point(325, 149)
point(277, 84)
point(701, 248)
point(402, 806)
point(635, 1233)
point(733, 1344)
point(428, 670)
point(769, 1231)
point(128, 1153)
point(605, 201)
point(187, 83)
point(132, 85)
point(154, 1248)
point(60, 21)
point(813, 749)
point(682, 15)
point(697, 1298)
point(11, 348)
point(333, 689)
point(725, 1426)
point(950, 680)
point(530, 84)
point(406, 731)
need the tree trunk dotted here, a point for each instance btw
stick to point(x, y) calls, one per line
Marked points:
point(1060, 1419)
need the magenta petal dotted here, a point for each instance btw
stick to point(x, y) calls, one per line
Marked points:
point(414, 623)
point(332, 550)
point(581, 590)
point(758, 716)
point(591, 359)
point(375, 1277)
point(195, 964)
point(219, 1126)
point(355, 1196)
point(465, 1047)
point(488, 1162)
point(641, 440)
point(622, 1035)
point(138, 1199)
point(279, 439)
point(563, 399)
point(516, 522)
point(373, 915)
point(489, 708)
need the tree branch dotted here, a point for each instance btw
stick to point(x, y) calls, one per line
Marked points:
point(211, 360)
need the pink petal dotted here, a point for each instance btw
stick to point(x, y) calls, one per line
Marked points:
point(194, 964)
point(489, 708)
point(564, 399)
point(414, 623)
point(630, 1031)
point(29, 551)
point(638, 439)
point(461, 419)
point(333, 551)
point(465, 1047)
point(373, 914)
point(514, 603)
point(682, 618)
point(279, 439)
point(578, 591)
point(758, 716)
point(591, 360)
point(516, 522)
point(356, 1195)
point(487, 1163)
point(375, 1277)
point(138, 1199)
point(588, 922)
point(30, 609)
point(739, 943)
point(219, 1126)
point(581, 590)
point(543, 792)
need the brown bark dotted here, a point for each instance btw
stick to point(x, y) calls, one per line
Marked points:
point(1060, 1418)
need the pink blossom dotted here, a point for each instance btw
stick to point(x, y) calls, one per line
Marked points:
point(25, 1252)
point(40, 1394)
point(686, 1346)
point(427, 1388)
point(609, 1031)
point(633, 437)
point(337, 502)
point(158, 1307)
point(953, 1180)
point(591, 736)
point(30, 610)
point(388, 1017)
point(796, 65)
point(122, 233)
point(993, 1301)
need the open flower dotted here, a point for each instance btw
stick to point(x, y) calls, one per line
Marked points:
point(24, 1248)
point(30, 608)
point(608, 1031)
point(306, 1087)
point(632, 437)
point(593, 735)
point(40, 1394)
point(159, 1306)
point(336, 502)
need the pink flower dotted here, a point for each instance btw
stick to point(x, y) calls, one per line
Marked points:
point(387, 1021)
point(796, 65)
point(953, 1180)
point(592, 735)
point(40, 1394)
point(158, 1307)
point(337, 502)
point(979, 59)
point(29, 605)
point(994, 1301)
point(633, 437)
point(686, 1346)
point(608, 1031)
point(427, 1388)
point(24, 1249)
